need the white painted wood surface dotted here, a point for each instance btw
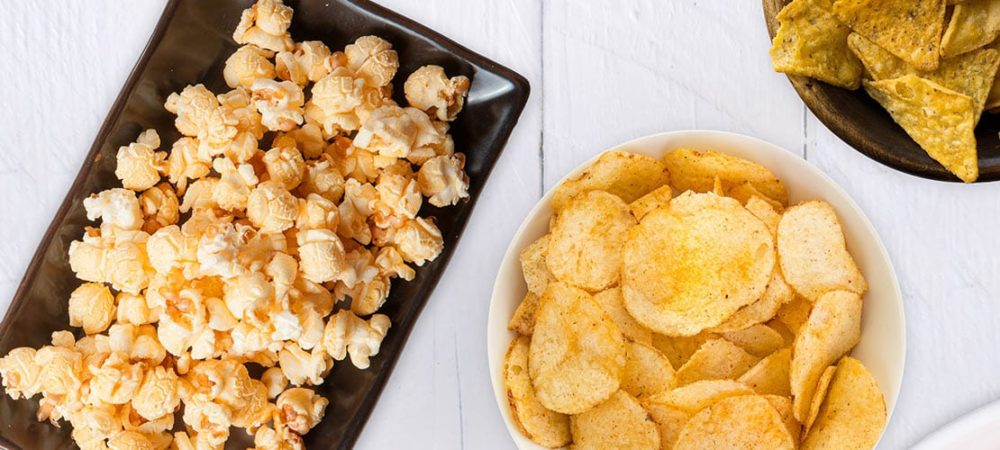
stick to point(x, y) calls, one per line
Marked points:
point(602, 71)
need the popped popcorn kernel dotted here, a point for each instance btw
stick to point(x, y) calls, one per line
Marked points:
point(429, 89)
point(301, 409)
point(389, 131)
point(132, 309)
point(200, 115)
point(139, 164)
point(185, 163)
point(284, 163)
point(301, 367)
point(322, 178)
point(274, 381)
point(279, 103)
point(373, 59)
point(265, 24)
point(130, 440)
point(347, 333)
point(159, 207)
point(310, 61)
point(246, 65)
point(321, 255)
point(92, 307)
point(19, 373)
point(271, 208)
point(316, 212)
point(419, 241)
point(118, 209)
point(443, 180)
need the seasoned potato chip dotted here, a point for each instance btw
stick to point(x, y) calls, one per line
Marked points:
point(585, 249)
point(613, 303)
point(745, 422)
point(695, 170)
point(523, 321)
point(973, 24)
point(692, 265)
point(833, 329)
point(765, 211)
point(717, 359)
point(617, 423)
point(939, 119)
point(658, 198)
point(783, 405)
point(775, 295)
point(853, 415)
point(744, 192)
point(795, 313)
point(817, 400)
point(672, 409)
point(625, 174)
point(770, 375)
point(536, 272)
point(647, 371)
point(971, 74)
point(577, 354)
point(910, 30)
point(810, 42)
point(782, 329)
point(813, 252)
point(679, 349)
point(758, 340)
point(544, 427)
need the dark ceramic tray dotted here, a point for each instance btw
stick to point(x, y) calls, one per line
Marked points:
point(863, 124)
point(190, 45)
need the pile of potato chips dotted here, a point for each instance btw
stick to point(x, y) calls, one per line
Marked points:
point(932, 64)
point(717, 318)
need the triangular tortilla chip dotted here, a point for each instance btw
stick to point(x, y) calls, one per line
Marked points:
point(909, 29)
point(810, 42)
point(973, 25)
point(939, 119)
point(971, 74)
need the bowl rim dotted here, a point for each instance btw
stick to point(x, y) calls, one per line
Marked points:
point(512, 254)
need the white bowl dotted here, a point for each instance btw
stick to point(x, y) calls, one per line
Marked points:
point(883, 337)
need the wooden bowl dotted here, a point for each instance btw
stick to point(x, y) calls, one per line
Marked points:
point(865, 125)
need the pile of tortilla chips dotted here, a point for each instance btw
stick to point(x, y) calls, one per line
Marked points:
point(720, 317)
point(932, 64)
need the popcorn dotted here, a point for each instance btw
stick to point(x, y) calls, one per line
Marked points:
point(309, 139)
point(317, 212)
point(20, 374)
point(257, 410)
point(138, 164)
point(92, 307)
point(247, 293)
point(132, 309)
point(183, 318)
point(274, 381)
point(158, 396)
point(116, 380)
point(246, 65)
point(419, 241)
point(286, 326)
point(443, 181)
point(185, 162)
point(284, 163)
point(302, 367)
point(279, 103)
point(265, 24)
point(168, 249)
point(278, 438)
point(391, 263)
point(310, 61)
point(118, 208)
point(210, 420)
point(130, 440)
point(301, 409)
point(399, 195)
point(389, 131)
point(341, 102)
point(358, 204)
point(219, 316)
point(271, 208)
point(218, 251)
point(373, 59)
point(347, 333)
point(159, 207)
point(321, 178)
point(234, 186)
point(200, 115)
point(429, 89)
point(99, 421)
point(321, 255)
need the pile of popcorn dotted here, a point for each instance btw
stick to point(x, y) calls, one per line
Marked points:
point(273, 242)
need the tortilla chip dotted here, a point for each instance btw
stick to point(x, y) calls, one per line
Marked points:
point(854, 413)
point(910, 30)
point(939, 119)
point(973, 25)
point(971, 74)
point(993, 99)
point(810, 42)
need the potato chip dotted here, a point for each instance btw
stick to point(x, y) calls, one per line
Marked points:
point(939, 119)
point(542, 426)
point(910, 30)
point(795, 313)
point(973, 24)
point(810, 42)
point(770, 375)
point(744, 192)
point(971, 74)
point(782, 329)
point(717, 359)
point(783, 405)
point(658, 198)
point(647, 371)
point(818, 396)
point(813, 253)
point(585, 249)
point(833, 329)
point(619, 422)
point(775, 295)
point(678, 349)
point(765, 211)
point(523, 321)
point(854, 413)
point(577, 354)
point(747, 421)
point(613, 303)
point(694, 170)
point(758, 340)
point(672, 409)
point(691, 266)
point(533, 266)
point(625, 174)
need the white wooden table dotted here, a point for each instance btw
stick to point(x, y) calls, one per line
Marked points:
point(602, 72)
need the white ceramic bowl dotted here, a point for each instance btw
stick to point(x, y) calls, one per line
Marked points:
point(883, 337)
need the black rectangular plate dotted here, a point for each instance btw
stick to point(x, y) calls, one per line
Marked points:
point(190, 45)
